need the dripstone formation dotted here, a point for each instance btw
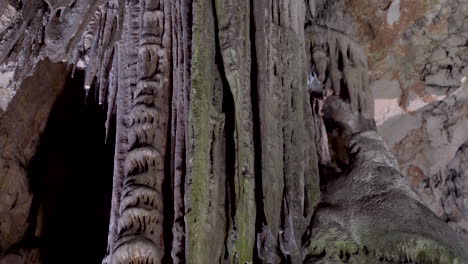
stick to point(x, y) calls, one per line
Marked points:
point(238, 131)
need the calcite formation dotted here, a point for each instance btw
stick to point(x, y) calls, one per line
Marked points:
point(226, 150)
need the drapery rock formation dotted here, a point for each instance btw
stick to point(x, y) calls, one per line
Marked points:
point(222, 152)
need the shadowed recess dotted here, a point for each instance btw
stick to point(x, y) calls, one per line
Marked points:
point(71, 177)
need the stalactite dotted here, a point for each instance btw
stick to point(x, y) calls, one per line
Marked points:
point(63, 32)
point(123, 102)
point(289, 162)
point(144, 85)
point(94, 36)
point(109, 31)
point(98, 49)
point(217, 107)
point(341, 65)
point(112, 91)
point(205, 190)
point(181, 69)
point(233, 26)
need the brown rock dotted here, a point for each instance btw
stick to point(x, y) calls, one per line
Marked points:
point(20, 128)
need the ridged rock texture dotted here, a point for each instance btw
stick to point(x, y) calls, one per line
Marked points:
point(224, 145)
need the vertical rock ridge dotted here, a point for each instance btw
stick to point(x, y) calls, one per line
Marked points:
point(205, 217)
point(181, 27)
point(232, 25)
point(289, 162)
point(144, 91)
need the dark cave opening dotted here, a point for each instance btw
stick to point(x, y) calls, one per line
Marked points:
point(71, 178)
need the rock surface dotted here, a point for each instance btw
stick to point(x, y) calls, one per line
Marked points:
point(20, 129)
point(217, 108)
point(418, 61)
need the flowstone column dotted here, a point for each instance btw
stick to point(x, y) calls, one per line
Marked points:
point(143, 115)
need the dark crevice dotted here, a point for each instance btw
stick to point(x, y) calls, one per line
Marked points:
point(168, 198)
point(71, 179)
point(230, 156)
point(387, 6)
point(327, 75)
point(315, 258)
point(260, 221)
point(340, 62)
point(168, 184)
point(372, 31)
point(73, 4)
point(228, 108)
point(344, 91)
point(348, 53)
point(285, 258)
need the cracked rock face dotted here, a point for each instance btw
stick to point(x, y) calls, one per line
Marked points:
point(418, 65)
